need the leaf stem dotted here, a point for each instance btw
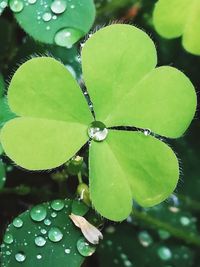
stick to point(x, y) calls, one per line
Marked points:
point(80, 180)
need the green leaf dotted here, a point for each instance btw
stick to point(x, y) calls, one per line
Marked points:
point(2, 174)
point(39, 144)
point(191, 37)
point(114, 60)
point(164, 101)
point(140, 167)
point(32, 235)
point(45, 22)
point(109, 189)
point(47, 86)
point(175, 18)
point(55, 130)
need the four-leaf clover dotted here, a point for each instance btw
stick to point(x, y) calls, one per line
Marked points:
point(126, 89)
point(175, 18)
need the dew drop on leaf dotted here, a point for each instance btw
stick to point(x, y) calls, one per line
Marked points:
point(185, 220)
point(38, 213)
point(8, 238)
point(16, 5)
point(57, 204)
point(53, 214)
point(17, 222)
point(40, 241)
point(147, 132)
point(39, 256)
point(67, 37)
point(84, 248)
point(67, 250)
point(47, 16)
point(97, 131)
point(145, 239)
point(43, 231)
point(20, 257)
point(55, 235)
point(164, 253)
point(47, 222)
point(32, 1)
point(58, 6)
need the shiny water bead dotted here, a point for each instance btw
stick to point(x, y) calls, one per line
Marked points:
point(40, 241)
point(47, 16)
point(8, 238)
point(185, 220)
point(147, 132)
point(53, 214)
point(84, 248)
point(67, 251)
point(43, 231)
point(97, 131)
point(145, 239)
point(58, 6)
point(164, 253)
point(57, 204)
point(67, 37)
point(17, 222)
point(20, 257)
point(39, 256)
point(55, 235)
point(38, 213)
point(3, 4)
point(47, 222)
point(32, 1)
point(16, 5)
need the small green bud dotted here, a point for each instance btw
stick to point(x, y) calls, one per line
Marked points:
point(83, 193)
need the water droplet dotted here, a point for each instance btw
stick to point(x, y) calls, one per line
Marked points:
point(57, 204)
point(39, 256)
point(55, 235)
point(67, 250)
point(47, 222)
point(40, 241)
point(58, 6)
point(8, 253)
point(97, 131)
point(43, 231)
point(8, 238)
point(84, 248)
point(38, 213)
point(47, 16)
point(185, 220)
point(127, 263)
point(32, 1)
point(147, 132)
point(145, 239)
point(67, 37)
point(17, 222)
point(3, 5)
point(16, 5)
point(53, 214)
point(20, 257)
point(164, 253)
